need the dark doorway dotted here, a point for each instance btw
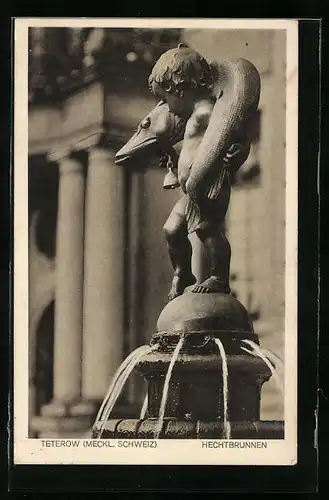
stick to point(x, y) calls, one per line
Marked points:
point(43, 197)
point(44, 363)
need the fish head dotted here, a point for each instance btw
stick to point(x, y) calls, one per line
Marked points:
point(156, 133)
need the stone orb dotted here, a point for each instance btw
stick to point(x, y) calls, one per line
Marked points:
point(204, 316)
point(198, 312)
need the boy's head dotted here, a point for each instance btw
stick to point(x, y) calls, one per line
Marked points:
point(180, 77)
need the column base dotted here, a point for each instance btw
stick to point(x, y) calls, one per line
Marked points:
point(67, 420)
point(73, 420)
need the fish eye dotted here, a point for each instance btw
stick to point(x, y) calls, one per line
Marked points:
point(146, 123)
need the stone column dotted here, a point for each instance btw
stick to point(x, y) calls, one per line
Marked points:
point(69, 282)
point(58, 418)
point(136, 387)
point(104, 278)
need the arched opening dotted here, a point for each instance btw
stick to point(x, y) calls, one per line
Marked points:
point(44, 361)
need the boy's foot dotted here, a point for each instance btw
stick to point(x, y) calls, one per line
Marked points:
point(179, 283)
point(212, 285)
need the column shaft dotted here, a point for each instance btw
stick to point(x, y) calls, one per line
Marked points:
point(69, 281)
point(104, 279)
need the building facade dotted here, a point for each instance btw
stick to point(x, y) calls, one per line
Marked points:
point(99, 271)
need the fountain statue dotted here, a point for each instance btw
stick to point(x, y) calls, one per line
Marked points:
point(204, 365)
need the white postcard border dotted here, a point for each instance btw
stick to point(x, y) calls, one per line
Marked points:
point(189, 452)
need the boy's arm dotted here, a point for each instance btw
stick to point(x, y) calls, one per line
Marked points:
point(237, 155)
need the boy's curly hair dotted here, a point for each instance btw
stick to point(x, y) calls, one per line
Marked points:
point(181, 68)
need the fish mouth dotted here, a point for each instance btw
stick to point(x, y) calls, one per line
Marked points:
point(118, 160)
point(129, 150)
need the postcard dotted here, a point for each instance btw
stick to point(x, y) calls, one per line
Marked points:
point(155, 241)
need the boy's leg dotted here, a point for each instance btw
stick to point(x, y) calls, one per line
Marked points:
point(219, 253)
point(179, 248)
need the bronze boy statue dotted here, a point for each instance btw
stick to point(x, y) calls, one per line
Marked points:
point(217, 102)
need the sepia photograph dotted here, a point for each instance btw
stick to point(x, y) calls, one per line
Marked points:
point(155, 166)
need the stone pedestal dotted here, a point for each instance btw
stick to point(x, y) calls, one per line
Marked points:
point(195, 403)
point(196, 387)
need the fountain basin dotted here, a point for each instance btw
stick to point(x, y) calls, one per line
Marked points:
point(176, 429)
